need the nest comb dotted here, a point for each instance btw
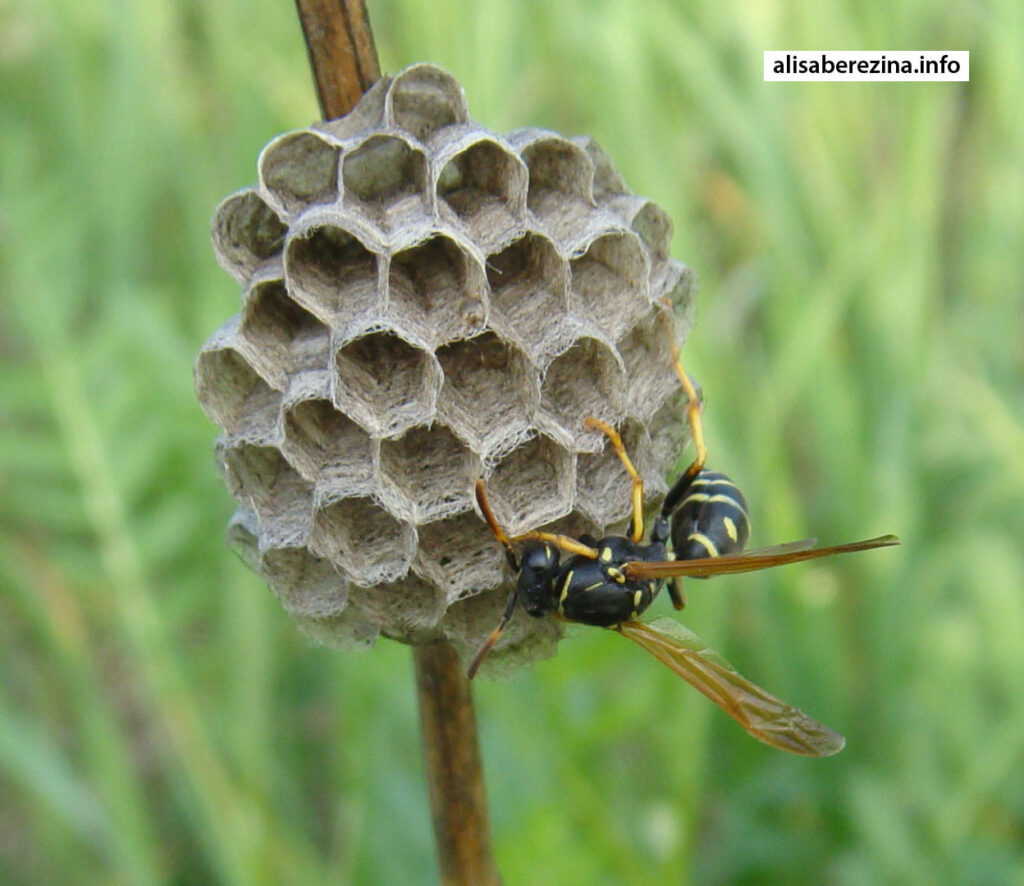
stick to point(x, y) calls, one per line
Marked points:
point(426, 302)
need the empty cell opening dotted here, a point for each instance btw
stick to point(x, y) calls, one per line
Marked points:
point(234, 396)
point(300, 169)
point(528, 282)
point(647, 353)
point(677, 283)
point(486, 389)
point(607, 180)
point(431, 469)
point(424, 99)
point(459, 555)
point(556, 164)
point(533, 485)
point(610, 281)
point(304, 583)
point(654, 227)
point(363, 540)
point(484, 177)
point(670, 436)
point(246, 232)
point(603, 488)
point(401, 606)
point(383, 170)
point(324, 444)
point(290, 337)
point(431, 286)
point(384, 382)
point(260, 479)
point(333, 273)
point(585, 380)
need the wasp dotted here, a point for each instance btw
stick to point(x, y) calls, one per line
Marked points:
point(700, 532)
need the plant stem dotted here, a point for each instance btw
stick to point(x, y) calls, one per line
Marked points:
point(456, 781)
point(341, 52)
point(344, 61)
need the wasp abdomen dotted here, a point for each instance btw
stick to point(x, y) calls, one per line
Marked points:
point(711, 520)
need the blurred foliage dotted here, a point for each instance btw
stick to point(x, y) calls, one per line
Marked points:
point(860, 345)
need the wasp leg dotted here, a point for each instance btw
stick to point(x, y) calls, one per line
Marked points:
point(564, 542)
point(638, 484)
point(675, 592)
point(695, 420)
point(499, 533)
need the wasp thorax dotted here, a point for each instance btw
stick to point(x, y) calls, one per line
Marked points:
point(426, 302)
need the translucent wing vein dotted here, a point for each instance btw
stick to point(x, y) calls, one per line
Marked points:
point(763, 715)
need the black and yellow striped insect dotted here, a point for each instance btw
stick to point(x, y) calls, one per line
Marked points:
point(700, 532)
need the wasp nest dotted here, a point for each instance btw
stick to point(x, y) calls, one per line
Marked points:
point(426, 302)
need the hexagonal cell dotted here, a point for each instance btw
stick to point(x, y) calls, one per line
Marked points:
point(484, 184)
point(426, 474)
point(586, 380)
point(437, 289)
point(424, 98)
point(608, 182)
point(489, 393)
point(676, 282)
point(304, 583)
point(459, 553)
point(561, 189)
point(363, 540)
point(333, 273)
point(261, 480)
point(385, 383)
point(529, 295)
point(246, 232)
point(299, 169)
point(235, 397)
point(533, 485)
point(328, 447)
point(603, 488)
point(650, 222)
point(670, 435)
point(405, 607)
point(352, 630)
point(384, 177)
point(609, 282)
point(647, 352)
point(285, 336)
point(470, 620)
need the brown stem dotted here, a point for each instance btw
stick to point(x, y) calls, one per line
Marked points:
point(341, 52)
point(345, 66)
point(453, 769)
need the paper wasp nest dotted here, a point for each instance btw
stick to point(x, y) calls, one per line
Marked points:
point(425, 302)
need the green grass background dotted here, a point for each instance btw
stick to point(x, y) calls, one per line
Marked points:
point(860, 338)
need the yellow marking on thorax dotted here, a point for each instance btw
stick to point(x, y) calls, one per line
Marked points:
point(637, 597)
point(606, 555)
point(565, 587)
point(618, 576)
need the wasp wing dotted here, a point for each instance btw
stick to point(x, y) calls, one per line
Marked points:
point(763, 715)
point(788, 547)
point(762, 558)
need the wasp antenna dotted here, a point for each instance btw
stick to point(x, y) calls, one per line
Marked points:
point(506, 616)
